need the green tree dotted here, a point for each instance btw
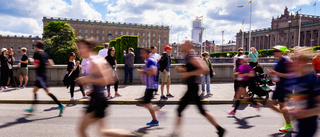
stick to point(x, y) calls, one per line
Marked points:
point(60, 40)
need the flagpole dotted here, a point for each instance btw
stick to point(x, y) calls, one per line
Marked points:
point(242, 34)
point(250, 27)
point(299, 31)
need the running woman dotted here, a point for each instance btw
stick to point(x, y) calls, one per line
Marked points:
point(282, 88)
point(306, 96)
point(41, 60)
point(149, 73)
point(190, 72)
point(242, 74)
point(98, 75)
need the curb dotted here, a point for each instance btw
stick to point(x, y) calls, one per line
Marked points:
point(117, 102)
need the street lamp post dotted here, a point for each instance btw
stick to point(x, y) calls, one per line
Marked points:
point(289, 22)
point(222, 42)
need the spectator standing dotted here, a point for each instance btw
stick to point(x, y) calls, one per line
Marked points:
point(157, 57)
point(316, 64)
point(4, 68)
point(235, 58)
point(164, 63)
point(84, 66)
point(74, 73)
point(104, 52)
point(128, 62)
point(254, 57)
point(206, 77)
point(11, 59)
point(111, 58)
point(23, 70)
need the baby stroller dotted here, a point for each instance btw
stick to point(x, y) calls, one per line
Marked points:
point(260, 85)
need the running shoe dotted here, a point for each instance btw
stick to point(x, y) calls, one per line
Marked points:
point(24, 86)
point(232, 112)
point(169, 96)
point(152, 123)
point(209, 94)
point(29, 110)
point(117, 95)
point(85, 97)
point(5, 87)
point(164, 98)
point(61, 109)
point(202, 94)
point(221, 132)
point(286, 128)
point(156, 93)
point(258, 106)
point(1, 88)
point(19, 86)
point(73, 99)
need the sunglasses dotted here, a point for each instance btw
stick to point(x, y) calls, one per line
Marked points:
point(276, 50)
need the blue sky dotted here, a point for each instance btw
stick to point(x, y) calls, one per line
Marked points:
point(24, 17)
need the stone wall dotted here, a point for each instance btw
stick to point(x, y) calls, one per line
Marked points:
point(56, 73)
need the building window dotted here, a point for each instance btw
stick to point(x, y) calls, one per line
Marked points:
point(11, 44)
point(143, 40)
point(132, 33)
point(86, 31)
point(154, 35)
point(19, 45)
point(121, 33)
point(159, 35)
point(26, 45)
point(103, 38)
point(153, 41)
point(165, 35)
point(144, 34)
point(91, 36)
point(110, 32)
point(127, 33)
point(138, 33)
point(92, 31)
point(109, 38)
point(4, 44)
point(116, 32)
point(80, 30)
point(97, 37)
point(97, 31)
point(165, 42)
point(102, 31)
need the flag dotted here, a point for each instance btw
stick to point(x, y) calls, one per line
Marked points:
point(245, 4)
point(297, 12)
point(315, 3)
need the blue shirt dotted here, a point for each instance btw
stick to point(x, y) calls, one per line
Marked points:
point(150, 80)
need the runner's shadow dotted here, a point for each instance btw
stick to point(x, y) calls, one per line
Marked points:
point(52, 108)
point(241, 106)
point(283, 134)
point(144, 130)
point(8, 90)
point(243, 124)
point(23, 120)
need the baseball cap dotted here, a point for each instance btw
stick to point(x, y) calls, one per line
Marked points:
point(167, 47)
point(281, 48)
point(3, 49)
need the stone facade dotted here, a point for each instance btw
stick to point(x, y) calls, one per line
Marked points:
point(104, 31)
point(284, 30)
point(17, 42)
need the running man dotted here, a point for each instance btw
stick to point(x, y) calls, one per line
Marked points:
point(98, 75)
point(149, 73)
point(282, 88)
point(192, 69)
point(41, 60)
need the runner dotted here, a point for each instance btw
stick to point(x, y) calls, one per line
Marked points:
point(193, 68)
point(99, 76)
point(242, 74)
point(149, 73)
point(306, 96)
point(41, 60)
point(282, 67)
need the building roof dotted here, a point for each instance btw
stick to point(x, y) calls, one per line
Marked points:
point(106, 23)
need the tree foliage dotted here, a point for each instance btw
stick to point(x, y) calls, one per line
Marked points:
point(60, 40)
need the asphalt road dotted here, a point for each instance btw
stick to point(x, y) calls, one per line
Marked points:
point(14, 122)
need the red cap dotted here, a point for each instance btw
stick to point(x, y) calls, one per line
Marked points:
point(167, 47)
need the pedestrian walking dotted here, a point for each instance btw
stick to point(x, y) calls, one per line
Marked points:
point(254, 57)
point(243, 74)
point(316, 65)
point(111, 58)
point(11, 59)
point(157, 57)
point(149, 73)
point(164, 63)
point(41, 60)
point(4, 68)
point(99, 75)
point(104, 52)
point(128, 63)
point(206, 77)
point(281, 90)
point(190, 71)
point(74, 73)
point(23, 69)
point(306, 96)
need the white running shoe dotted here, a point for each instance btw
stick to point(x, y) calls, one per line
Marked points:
point(1, 88)
point(73, 99)
point(85, 97)
point(5, 87)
